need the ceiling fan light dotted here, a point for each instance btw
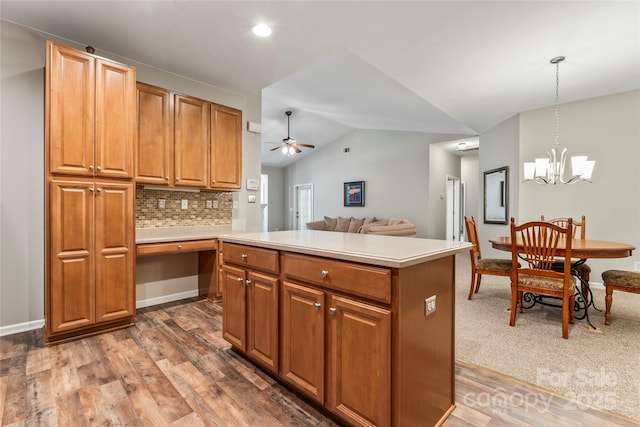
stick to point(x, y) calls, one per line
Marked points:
point(291, 150)
point(261, 30)
point(285, 150)
point(588, 169)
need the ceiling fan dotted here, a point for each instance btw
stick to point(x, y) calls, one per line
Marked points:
point(289, 146)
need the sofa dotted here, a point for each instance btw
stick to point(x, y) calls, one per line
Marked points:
point(368, 225)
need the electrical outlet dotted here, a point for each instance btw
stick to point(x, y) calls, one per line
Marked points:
point(235, 204)
point(429, 306)
point(161, 204)
point(209, 204)
point(636, 265)
point(185, 204)
point(215, 204)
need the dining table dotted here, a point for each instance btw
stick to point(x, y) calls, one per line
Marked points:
point(581, 250)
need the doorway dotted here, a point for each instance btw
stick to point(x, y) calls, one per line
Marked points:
point(303, 205)
point(454, 202)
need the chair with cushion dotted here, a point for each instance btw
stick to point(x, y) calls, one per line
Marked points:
point(479, 265)
point(536, 275)
point(582, 270)
point(618, 280)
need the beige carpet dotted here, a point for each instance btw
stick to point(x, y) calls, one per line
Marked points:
point(593, 369)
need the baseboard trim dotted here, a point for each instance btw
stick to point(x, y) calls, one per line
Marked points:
point(21, 327)
point(166, 298)
point(36, 324)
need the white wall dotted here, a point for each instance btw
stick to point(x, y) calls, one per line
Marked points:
point(606, 129)
point(276, 197)
point(394, 166)
point(499, 147)
point(470, 175)
point(22, 63)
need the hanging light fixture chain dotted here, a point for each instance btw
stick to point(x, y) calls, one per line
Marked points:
point(557, 136)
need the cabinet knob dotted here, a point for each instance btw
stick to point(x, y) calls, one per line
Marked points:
point(332, 310)
point(324, 273)
point(179, 246)
point(247, 282)
point(239, 279)
point(98, 189)
point(90, 167)
point(244, 256)
point(98, 168)
point(166, 178)
point(213, 181)
point(317, 306)
point(177, 178)
point(91, 189)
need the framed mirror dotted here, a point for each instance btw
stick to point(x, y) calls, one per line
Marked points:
point(496, 196)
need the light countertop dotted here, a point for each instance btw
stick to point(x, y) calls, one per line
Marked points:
point(388, 251)
point(176, 234)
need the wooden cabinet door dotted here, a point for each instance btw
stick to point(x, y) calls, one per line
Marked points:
point(115, 119)
point(226, 147)
point(262, 319)
point(234, 301)
point(359, 374)
point(70, 290)
point(115, 251)
point(70, 105)
point(303, 334)
point(154, 146)
point(191, 142)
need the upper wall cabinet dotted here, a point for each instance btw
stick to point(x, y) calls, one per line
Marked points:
point(154, 150)
point(226, 147)
point(186, 141)
point(91, 114)
point(191, 143)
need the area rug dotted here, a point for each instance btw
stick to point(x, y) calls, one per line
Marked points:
point(595, 369)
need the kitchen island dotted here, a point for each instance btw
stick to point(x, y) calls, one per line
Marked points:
point(361, 325)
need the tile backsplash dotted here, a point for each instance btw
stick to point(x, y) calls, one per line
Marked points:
point(149, 215)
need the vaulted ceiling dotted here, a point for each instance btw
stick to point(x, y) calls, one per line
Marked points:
point(451, 67)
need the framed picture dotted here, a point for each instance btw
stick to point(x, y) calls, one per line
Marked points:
point(496, 196)
point(354, 193)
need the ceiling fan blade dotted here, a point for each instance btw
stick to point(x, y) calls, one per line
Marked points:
point(296, 149)
point(277, 147)
point(305, 145)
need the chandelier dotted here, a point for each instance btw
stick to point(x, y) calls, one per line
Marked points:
point(550, 169)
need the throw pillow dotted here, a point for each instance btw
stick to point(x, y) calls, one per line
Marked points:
point(330, 223)
point(343, 224)
point(317, 225)
point(369, 219)
point(355, 224)
point(393, 221)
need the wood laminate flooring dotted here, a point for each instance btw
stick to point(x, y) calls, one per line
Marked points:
point(174, 369)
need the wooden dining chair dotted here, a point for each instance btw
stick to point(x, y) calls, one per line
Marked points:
point(536, 275)
point(582, 270)
point(479, 265)
point(618, 280)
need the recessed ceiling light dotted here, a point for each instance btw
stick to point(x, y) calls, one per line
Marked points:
point(262, 30)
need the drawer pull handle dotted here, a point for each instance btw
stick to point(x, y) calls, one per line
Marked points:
point(317, 306)
point(332, 310)
point(239, 279)
point(244, 256)
point(324, 273)
point(179, 246)
point(248, 282)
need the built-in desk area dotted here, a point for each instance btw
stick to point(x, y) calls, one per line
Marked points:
point(177, 240)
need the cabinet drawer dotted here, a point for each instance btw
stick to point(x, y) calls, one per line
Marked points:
point(258, 258)
point(357, 279)
point(148, 249)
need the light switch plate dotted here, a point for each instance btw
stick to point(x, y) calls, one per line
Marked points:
point(209, 204)
point(161, 204)
point(215, 204)
point(184, 204)
point(252, 198)
point(429, 306)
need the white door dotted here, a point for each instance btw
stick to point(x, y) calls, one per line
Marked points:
point(303, 206)
point(453, 209)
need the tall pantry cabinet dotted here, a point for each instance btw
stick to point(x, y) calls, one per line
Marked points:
point(90, 123)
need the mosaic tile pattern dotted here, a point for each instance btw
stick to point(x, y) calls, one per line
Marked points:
point(148, 215)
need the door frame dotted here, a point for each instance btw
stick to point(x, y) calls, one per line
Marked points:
point(294, 212)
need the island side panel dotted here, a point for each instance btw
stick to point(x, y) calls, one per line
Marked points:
point(424, 357)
